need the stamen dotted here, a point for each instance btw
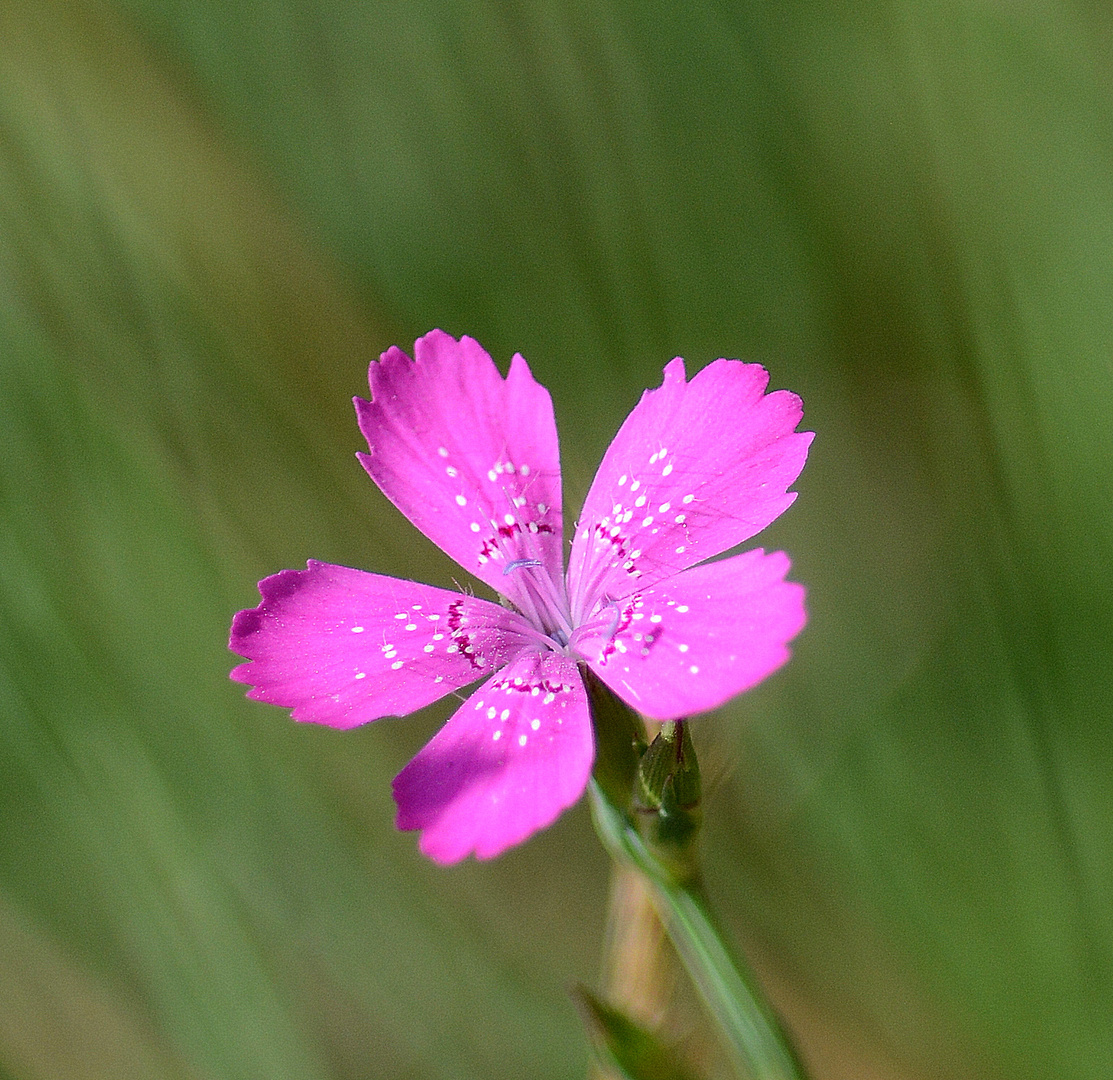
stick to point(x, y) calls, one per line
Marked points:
point(517, 564)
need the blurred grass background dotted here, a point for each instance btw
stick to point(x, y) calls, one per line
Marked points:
point(213, 214)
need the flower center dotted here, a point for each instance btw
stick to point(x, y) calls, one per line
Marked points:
point(540, 599)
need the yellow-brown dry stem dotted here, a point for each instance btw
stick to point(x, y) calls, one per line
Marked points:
point(638, 973)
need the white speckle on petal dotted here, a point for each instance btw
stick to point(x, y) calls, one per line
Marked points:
point(524, 470)
point(635, 485)
point(397, 664)
point(401, 615)
point(475, 526)
point(504, 715)
point(683, 648)
point(535, 724)
point(680, 550)
point(682, 608)
point(640, 501)
point(439, 678)
point(680, 519)
point(549, 698)
point(508, 518)
point(461, 500)
point(664, 508)
point(694, 670)
point(654, 618)
point(430, 647)
point(357, 629)
point(492, 475)
point(622, 480)
point(491, 713)
point(411, 626)
point(361, 674)
point(452, 471)
point(687, 499)
point(443, 451)
point(497, 735)
point(522, 740)
point(646, 522)
point(667, 469)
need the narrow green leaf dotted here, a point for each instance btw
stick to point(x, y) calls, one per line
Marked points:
point(751, 1031)
point(631, 1048)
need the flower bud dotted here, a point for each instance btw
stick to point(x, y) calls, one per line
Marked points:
point(668, 797)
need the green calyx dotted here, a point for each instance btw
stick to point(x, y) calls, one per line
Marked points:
point(667, 798)
point(656, 786)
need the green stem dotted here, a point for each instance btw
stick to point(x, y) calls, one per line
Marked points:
point(753, 1036)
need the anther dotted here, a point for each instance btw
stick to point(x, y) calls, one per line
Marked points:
point(517, 564)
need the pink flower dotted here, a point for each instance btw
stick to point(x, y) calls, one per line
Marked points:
point(472, 460)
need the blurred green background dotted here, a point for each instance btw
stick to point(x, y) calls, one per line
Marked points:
point(213, 213)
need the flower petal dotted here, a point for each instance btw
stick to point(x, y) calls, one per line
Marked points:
point(472, 460)
point(515, 755)
point(342, 647)
point(697, 468)
point(691, 643)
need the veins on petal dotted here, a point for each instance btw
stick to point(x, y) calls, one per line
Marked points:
point(617, 627)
